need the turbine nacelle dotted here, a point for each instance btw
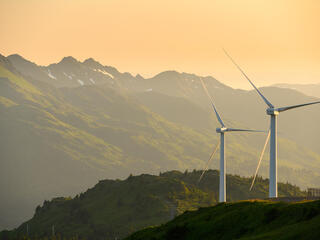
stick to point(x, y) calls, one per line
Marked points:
point(221, 130)
point(272, 111)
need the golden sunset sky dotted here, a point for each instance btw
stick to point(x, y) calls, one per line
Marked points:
point(274, 41)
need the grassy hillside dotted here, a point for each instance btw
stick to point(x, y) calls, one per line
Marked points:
point(241, 220)
point(115, 208)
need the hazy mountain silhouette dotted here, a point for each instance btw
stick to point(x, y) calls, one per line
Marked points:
point(308, 89)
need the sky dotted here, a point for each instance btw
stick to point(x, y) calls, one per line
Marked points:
point(274, 41)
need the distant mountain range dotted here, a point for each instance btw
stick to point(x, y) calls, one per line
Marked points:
point(113, 209)
point(307, 89)
point(67, 125)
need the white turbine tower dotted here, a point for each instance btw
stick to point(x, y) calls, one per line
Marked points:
point(273, 112)
point(222, 130)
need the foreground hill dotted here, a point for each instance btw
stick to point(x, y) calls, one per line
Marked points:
point(114, 208)
point(242, 220)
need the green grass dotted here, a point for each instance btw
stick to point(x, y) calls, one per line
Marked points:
point(7, 102)
point(20, 82)
point(242, 220)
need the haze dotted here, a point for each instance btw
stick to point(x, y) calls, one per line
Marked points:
point(274, 41)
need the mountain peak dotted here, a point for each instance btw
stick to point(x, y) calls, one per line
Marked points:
point(90, 62)
point(20, 63)
point(167, 74)
point(69, 59)
point(17, 57)
point(5, 62)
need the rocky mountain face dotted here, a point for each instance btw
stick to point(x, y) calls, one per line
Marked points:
point(67, 125)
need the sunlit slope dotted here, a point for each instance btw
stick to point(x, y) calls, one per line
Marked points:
point(114, 208)
point(58, 142)
point(42, 155)
point(242, 220)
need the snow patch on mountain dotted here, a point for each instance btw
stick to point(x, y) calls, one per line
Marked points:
point(67, 75)
point(80, 82)
point(50, 75)
point(103, 72)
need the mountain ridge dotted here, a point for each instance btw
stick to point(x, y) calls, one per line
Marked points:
point(308, 89)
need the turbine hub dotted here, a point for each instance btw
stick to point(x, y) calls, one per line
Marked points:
point(221, 130)
point(272, 111)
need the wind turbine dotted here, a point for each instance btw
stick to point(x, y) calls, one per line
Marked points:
point(273, 112)
point(222, 130)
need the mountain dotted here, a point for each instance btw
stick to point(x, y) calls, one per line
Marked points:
point(59, 135)
point(307, 89)
point(69, 72)
point(62, 141)
point(115, 208)
point(246, 107)
point(188, 87)
point(241, 220)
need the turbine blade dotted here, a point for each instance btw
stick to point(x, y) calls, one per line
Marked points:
point(260, 158)
point(242, 130)
point(208, 162)
point(282, 109)
point(245, 75)
point(214, 108)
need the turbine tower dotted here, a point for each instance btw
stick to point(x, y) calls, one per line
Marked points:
point(273, 113)
point(222, 130)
